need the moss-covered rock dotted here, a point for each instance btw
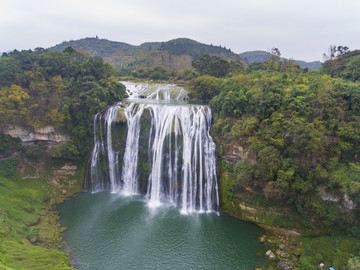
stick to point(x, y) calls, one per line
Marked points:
point(120, 116)
point(144, 164)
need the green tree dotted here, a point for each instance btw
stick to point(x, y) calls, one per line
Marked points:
point(205, 87)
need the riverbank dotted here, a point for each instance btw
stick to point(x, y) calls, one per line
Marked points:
point(30, 233)
point(290, 243)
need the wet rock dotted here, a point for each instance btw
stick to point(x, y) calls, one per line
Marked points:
point(120, 116)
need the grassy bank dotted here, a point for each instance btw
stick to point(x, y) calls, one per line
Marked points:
point(29, 230)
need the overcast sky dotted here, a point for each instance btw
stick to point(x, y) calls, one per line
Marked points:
point(301, 29)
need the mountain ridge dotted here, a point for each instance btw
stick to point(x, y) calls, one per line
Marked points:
point(262, 56)
point(173, 54)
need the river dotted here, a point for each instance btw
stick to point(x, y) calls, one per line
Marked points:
point(108, 231)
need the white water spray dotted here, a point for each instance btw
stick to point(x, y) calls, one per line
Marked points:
point(181, 151)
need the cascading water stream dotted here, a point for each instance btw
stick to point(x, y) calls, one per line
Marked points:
point(155, 91)
point(129, 170)
point(112, 155)
point(177, 164)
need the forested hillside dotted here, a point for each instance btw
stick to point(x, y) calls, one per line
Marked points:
point(175, 54)
point(289, 156)
point(62, 89)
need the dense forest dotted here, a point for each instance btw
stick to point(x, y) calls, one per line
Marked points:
point(287, 143)
point(40, 88)
point(64, 89)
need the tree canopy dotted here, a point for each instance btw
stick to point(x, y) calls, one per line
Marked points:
point(63, 89)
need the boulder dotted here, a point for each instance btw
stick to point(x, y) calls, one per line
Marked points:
point(270, 254)
point(282, 254)
point(283, 265)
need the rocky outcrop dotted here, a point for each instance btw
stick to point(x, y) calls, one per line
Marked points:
point(344, 200)
point(270, 254)
point(348, 203)
point(26, 135)
point(64, 178)
point(120, 116)
point(329, 197)
point(235, 154)
point(231, 158)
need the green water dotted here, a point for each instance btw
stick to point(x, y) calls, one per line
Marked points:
point(106, 231)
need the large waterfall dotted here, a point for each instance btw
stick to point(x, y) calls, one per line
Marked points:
point(156, 144)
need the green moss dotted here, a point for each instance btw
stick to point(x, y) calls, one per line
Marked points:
point(17, 255)
point(144, 165)
point(29, 230)
point(120, 116)
point(21, 202)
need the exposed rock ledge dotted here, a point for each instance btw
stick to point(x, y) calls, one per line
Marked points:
point(231, 158)
point(345, 200)
point(26, 135)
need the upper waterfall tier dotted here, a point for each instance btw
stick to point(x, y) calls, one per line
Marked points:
point(155, 91)
point(161, 150)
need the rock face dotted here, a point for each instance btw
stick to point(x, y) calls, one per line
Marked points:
point(231, 158)
point(344, 201)
point(120, 116)
point(26, 135)
point(62, 178)
point(348, 203)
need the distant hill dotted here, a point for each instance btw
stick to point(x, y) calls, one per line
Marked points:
point(345, 65)
point(262, 56)
point(174, 54)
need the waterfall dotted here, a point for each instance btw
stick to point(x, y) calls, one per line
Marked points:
point(155, 91)
point(160, 149)
point(129, 170)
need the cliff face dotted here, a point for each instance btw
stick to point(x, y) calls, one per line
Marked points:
point(260, 202)
point(46, 134)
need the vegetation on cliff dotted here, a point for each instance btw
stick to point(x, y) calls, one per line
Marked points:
point(40, 88)
point(289, 143)
point(62, 89)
